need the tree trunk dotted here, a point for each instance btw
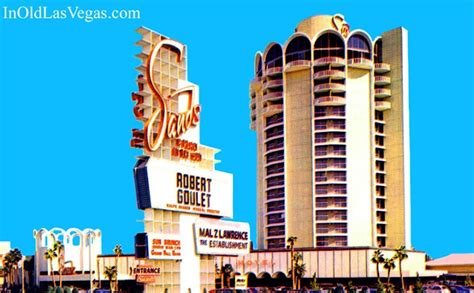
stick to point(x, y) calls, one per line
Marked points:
point(52, 272)
point(378, 272)
point(401, 274)
point(292, 269)
point(60, 270)
point(116, 277)
point(388, 278)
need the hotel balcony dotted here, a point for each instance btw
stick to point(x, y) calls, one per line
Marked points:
point(274, 134)
point(270, 176)
point(360, 63)
point(382, 93)
point(331, 141)
point(331, 219)
point(330, 167)
point(332, 61)
point(333, 154)
point(274, 146)
point(330, 128)
point(252, 104)
point(270, 110)
point(273, 71)
point(332, 231)
point(334, 87)
point(253, 93)
point(253, 125)
point(255, 82)
point(273, 96)
point(297, 65)
point(332, 206)
point(382, 105)
point(275, 158)
point(382, 80)
point(329, 101)
point(273, 84)
point(333, 74)
point(275, 124)
point(382, 67)
point(275, 222)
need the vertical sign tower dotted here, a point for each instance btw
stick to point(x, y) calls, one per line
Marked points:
point(182, 195)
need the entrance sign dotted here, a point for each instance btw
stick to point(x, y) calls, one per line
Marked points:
point(146, 273)
point(217, 237)
point(164, 246)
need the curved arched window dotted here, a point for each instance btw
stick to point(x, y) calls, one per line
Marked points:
point(274, 57)
point(358, 47)
point(328, 45)
point(378, 58)
point(298, 49)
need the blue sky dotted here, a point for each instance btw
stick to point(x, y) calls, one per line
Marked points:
point(66, 112)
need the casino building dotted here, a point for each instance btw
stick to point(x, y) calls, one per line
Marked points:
point(330, 109)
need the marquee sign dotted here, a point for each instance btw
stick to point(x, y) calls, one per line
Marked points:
point(166, 185)
point(217, 237)
point(163, 123)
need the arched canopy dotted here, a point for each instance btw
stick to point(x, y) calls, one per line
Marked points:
point(329, 44)
point(358, 46)
point(279, 275)
point(258, 64)
point(378, 57)
point(299, 48)
point(264, 275)
point(273, 56)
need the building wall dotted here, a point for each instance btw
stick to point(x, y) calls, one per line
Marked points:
point(359, 172)
point(397, 140)
point(298, 157)
point(329, 263)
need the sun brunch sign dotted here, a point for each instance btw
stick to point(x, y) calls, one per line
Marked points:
point(161, 122)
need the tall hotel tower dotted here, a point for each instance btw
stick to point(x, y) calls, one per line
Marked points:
point(330, 108)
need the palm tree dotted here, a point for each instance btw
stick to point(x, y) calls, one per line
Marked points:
point(118, 252)
point(291, 245)
point(377, 259)
point(58, 247)
point(389, 265)
point(49, 255)
point(401, 254)
point(14, 256)
point(314, 283)
point(227, 269)
point(7, 268)
point(110, 273)
point(299, 268)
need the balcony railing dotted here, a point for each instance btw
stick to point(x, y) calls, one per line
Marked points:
point(333, 61)
point(382, 105)
point(362, 63)
point(297, 65)
point(273, 71)
point(334, 74)
point(382, 93)
point(335, 87)
point(330, 141)
point(329, 101)
point(382, 80)
point(273, 83)
point(270, 110)
point(273, 96)
point(382, 67)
